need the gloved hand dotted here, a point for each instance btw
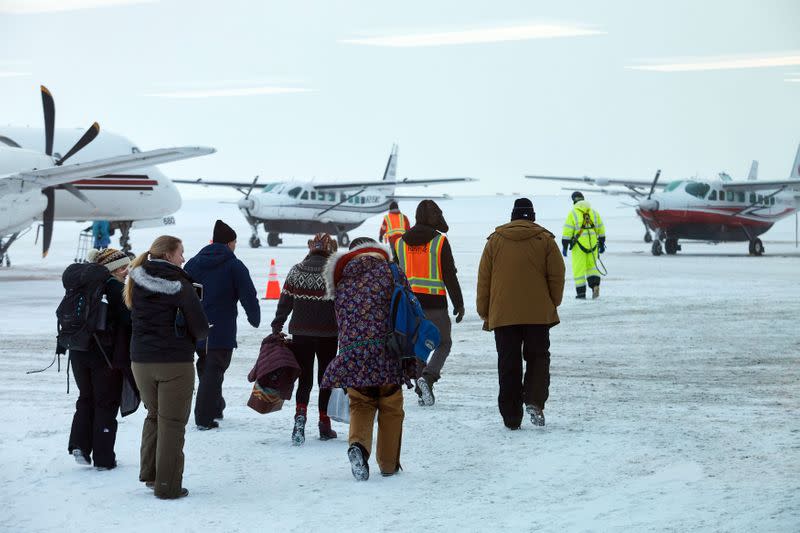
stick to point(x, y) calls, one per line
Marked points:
point(601, 246)
point(276, 331)
point(459, 314)
point(564, 246)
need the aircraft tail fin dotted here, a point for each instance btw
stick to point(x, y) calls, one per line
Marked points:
point(390, 174)
point(795, 175)
point(753, 175)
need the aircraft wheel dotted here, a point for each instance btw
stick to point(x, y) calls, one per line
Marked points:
point(344, 239)
point(255, 242)
point(648, 238)
point(671, 246)
point(656, 248)
point(273, 239)
point(756, 247)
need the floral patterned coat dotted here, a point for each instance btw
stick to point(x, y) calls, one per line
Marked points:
point(360, 283)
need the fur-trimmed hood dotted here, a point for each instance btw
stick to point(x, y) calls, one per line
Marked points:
point(158, 284)
point(334, 267)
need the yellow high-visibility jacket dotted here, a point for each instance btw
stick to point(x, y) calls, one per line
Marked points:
point(584, 225)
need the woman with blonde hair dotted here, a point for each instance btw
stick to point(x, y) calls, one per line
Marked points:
point(167, 320)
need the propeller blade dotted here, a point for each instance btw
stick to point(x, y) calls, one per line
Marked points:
point(70, 188)
point(49, 107)
point(88, 137)
point(47, 218)
point(653, 186)
point(251, 188)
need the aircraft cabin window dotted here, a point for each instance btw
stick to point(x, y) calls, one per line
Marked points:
point(304, 196)
point(697, 189)
point(740, 197)
point(294, 192)
point(752, 198)
point(761, 198)
point(721, 196)
point(772, 201)
point(331, 196)
point(730, 196)
point(713, 195)
point(313, 195)
point(135, 150)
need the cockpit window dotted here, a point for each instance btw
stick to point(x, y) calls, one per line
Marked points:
point(269, 187)
point(697, 189)
point(9, 142)
point(294, 192)
point(304, 196)
point(672, 186)
point(135, 150)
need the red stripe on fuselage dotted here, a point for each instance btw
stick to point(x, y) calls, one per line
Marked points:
point(669, 217)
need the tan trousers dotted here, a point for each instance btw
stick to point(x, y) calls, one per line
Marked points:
point(387, 400)
point(166, 390)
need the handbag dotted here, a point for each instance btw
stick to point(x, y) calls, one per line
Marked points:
point(264, 400)
point(339, 406)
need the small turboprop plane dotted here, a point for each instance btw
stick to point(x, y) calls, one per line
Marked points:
point(720, 210)
point(306, 208)
point(35, 184)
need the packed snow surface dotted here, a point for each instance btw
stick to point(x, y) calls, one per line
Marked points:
point(673, 405)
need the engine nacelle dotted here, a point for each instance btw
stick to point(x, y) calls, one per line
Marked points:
point(601, 182)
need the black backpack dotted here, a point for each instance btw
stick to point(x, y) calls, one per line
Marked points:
point(82, 313)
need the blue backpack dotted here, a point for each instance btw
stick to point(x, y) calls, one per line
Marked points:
point(410, 333)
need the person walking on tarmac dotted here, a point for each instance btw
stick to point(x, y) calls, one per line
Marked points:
point(313, 328)
point(520, 286)
point(395, 224)
point(226, 282)
point(424, 254)
point(585, 235)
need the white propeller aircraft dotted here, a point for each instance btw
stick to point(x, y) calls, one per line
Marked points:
point(719, 210)
point(306, 207)
point(37, 185)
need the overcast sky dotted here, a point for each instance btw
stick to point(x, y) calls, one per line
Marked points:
point(492, 90)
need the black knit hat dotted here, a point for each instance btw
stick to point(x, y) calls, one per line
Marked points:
point(577, 196)
point(523, 209)
point(430, 214)
point(393, 205)
point(223, 233)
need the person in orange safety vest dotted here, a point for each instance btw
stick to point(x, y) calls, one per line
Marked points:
point(424, 254)
point(395, 224)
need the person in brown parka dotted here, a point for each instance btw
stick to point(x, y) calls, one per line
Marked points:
point(520, 285)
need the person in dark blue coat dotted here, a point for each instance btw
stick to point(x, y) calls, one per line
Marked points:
point(225, 281)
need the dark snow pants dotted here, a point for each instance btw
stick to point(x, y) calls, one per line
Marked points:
point(530, 343)
point(433, 370)
point(166, 390)
point(211, 367)
point(304, 349)
point(94, 426)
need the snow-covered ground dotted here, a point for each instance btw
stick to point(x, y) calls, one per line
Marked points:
point(673, 406)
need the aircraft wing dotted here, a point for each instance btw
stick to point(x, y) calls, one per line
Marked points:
point(762, 185)
point(382, 184)
point(59, 175)
point(234, 184)
point(404, 197)
point(602, 182)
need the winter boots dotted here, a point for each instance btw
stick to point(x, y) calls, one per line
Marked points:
point(213, 425)
point(325, 431)
point(537, 415)
point(595, 292)
point(299, 430)
point(425, 392)
point(358, 456)
point(80, 458)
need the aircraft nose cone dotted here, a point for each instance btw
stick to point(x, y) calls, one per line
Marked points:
point(245, 203)
point(648, 205)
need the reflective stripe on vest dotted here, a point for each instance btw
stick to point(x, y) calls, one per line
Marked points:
point(394, 224)
point(423, 265)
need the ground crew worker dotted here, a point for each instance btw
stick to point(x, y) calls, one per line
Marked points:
point(395, 224)
point(585, 235)
point(424, 253)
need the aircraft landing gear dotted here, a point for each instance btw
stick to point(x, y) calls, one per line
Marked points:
point(273, 239)
point(255, 242)
point(344, 239)
point(656, 248)
point(648, 237)
point(672, 247)
point(4, 246)
point(125, 237)
point(756, 247)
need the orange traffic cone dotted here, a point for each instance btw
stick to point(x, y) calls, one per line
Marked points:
point(273, 285)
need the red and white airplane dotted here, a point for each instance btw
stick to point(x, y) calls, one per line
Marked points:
point(109, 179)
point(720, 210)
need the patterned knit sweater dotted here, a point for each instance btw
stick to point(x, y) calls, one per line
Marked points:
point(304, 296)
